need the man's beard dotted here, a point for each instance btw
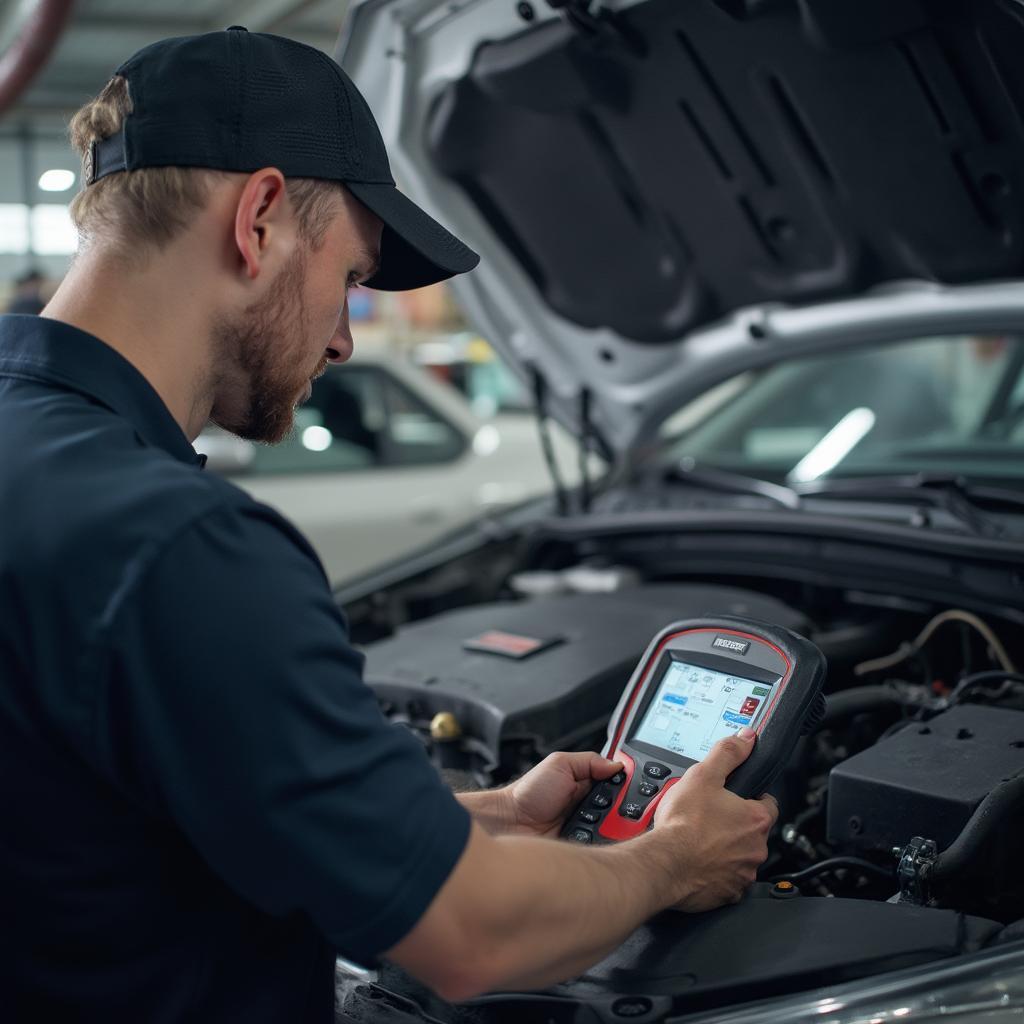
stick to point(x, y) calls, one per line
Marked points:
point(259, 352)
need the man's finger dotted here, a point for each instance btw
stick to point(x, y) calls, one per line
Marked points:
point(771, 804)
point(586, 765)
point(727, 755)
point(602, 768)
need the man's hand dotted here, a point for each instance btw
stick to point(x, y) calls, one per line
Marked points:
point(723, 838)
point(561, 906)
point(537, 803)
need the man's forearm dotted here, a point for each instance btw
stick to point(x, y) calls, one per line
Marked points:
point(590, 901)
point(525, 912)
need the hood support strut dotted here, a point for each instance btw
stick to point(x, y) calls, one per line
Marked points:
point(586, 437)
point(540, 400)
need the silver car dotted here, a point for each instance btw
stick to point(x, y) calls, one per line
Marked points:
point(769, 256)
point(383, 459)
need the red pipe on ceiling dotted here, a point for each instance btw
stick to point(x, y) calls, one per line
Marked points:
point(28, 54)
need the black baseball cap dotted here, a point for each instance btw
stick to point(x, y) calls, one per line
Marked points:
point(239, 101)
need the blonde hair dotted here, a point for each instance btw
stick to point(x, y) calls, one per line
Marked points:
point(149, 206)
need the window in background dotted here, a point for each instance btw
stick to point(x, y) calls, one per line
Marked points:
point(415, 434)
point(53, 234)
point(37, 179)
point(14, 233)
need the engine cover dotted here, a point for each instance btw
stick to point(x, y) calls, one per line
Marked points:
point(545, 672)
point(678, 964)
point(924, 781)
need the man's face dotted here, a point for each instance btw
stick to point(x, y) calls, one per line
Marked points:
point(281, 343)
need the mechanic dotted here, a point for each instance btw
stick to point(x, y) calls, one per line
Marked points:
point(28, 293)
point(201, 801)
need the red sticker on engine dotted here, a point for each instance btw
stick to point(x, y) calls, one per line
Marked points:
point(509, 645)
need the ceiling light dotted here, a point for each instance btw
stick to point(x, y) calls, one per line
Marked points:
point(834, 446)
point(56, 180)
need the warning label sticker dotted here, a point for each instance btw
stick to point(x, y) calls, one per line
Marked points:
point(509, 645)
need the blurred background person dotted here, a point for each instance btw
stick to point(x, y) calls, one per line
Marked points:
point(28, 293)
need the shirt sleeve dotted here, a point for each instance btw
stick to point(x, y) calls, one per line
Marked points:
point(231, 701)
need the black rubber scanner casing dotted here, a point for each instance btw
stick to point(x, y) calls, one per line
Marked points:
point(799, 707)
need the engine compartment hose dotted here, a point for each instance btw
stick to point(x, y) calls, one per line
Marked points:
point(982, 828)
point(859, 701)
point(908, 650)
point(836, 864)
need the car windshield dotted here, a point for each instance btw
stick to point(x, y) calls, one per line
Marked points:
point(952, 404)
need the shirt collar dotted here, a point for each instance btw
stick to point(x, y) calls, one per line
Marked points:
point(57, 353)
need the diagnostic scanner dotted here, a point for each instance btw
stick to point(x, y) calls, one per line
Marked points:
point(698, 681)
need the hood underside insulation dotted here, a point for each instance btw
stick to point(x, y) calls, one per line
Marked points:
point(676, 161)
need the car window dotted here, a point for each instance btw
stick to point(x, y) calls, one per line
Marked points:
point(359, 418)
point(949, 403)
point(414, 433)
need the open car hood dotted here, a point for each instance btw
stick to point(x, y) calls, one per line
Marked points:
point(668, 192)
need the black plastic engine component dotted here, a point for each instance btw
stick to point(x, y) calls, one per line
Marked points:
point(926, 780)
point(722, 956)
point(760, 948)
point(546, 672)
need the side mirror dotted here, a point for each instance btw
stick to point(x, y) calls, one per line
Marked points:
point(225, 453)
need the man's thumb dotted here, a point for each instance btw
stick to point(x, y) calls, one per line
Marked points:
point(728, 754)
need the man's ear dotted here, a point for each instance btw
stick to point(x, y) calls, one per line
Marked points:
point(261, 219)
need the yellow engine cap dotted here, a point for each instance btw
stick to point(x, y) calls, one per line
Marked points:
point(444, 727)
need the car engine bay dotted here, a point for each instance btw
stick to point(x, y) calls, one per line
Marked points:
point(900, 825)
point(899, 832)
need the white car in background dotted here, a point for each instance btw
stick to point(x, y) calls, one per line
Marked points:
point(384, 458)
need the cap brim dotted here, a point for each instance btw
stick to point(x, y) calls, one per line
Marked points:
point(415, 250)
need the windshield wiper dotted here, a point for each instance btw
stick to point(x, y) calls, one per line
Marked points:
point(947, 491)
point(688, 471)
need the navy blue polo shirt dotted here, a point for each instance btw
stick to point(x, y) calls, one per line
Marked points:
point(200, 802)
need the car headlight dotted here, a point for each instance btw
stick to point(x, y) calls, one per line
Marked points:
point(486, 440)
point(987, 987)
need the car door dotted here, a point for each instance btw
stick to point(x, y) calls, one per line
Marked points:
point(371, 470)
